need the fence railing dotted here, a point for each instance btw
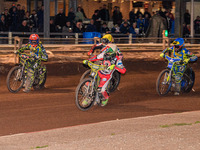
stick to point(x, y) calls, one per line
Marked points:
point(18, 38)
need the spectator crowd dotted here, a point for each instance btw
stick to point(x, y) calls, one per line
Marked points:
point(17, 19)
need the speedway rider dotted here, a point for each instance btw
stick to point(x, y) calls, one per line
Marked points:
point(179, 51)
point(111, 57)
point(107, 39)
point(37, 51)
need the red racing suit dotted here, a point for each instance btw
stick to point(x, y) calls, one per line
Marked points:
point(114, 64)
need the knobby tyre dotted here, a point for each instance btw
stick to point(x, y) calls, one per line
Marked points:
point(114, 81)
point(86, 74)
point(82, 92)
point(14, 81)
point(40, 86)
point(162, 86)
point(189, 76)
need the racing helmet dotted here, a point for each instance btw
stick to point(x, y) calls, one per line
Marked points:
point(34, 40)
point(178, 44)
point(107, 39)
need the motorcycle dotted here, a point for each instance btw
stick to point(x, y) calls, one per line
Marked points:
point(87, 89)
point(114, 82)
point(176, 70)
point(20, 73)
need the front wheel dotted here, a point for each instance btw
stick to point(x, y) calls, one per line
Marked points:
point(85, 94)
point(162, 85)
point(86, 74)
point(15, 79)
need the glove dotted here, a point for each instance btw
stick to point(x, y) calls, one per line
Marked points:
point(90, 52)
point(33, 49)
point(111, 67)
point(162, 55)
point(85, 62)
point(186, 61)
point(16, 52)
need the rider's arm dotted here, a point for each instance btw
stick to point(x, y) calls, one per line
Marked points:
point(119, 53)
point(21, 50)
point(165, 51)
point(43, 56)
point(94, 47)
point(190, 57)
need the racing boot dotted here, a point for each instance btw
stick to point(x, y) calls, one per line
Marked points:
point(104, 102)
point(104, 99)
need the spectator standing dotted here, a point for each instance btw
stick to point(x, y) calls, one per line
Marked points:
point(187, 17)
point(140, 24)
point(197, 25)
point(34, 20)
point(14, 19)
point(82, 10)
point(52, 26)
point(7, 17)
point(3, 24)
point(40, 15)
point(97, 20)
point(117, 16)
point(79, 15)
point(104, 13)
point(132, 16)
point(11, 9)
point(28, 20)
point(20, 13)
point(60, 20)
point(146, 13)
point(146, 22)
point(71, 15)
point(105, 29)
point(138, 13)
point(91, 27)
point(124, 28)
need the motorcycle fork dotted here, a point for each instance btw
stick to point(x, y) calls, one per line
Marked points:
point(169, 76)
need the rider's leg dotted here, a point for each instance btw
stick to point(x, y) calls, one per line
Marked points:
point(177, 88)
point(42, 74)
point(104, 80)
point(29, 80)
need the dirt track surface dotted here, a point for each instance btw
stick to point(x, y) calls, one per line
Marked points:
point(54, 106)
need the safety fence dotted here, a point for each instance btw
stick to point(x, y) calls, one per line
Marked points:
point(78, 38)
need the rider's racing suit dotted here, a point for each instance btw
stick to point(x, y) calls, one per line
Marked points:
point(39, 53)
point(184, 55)
point(115, 63)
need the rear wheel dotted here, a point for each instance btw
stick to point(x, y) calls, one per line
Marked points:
point(15, 79)
point(188, 80)
point(84, 95)
point(38, 86)
point(162, 85)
